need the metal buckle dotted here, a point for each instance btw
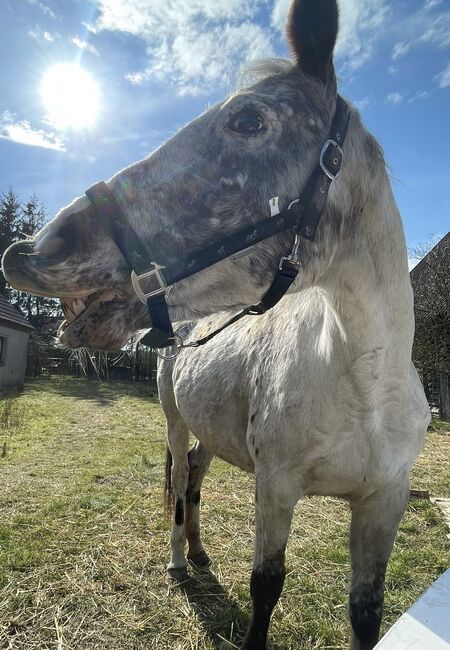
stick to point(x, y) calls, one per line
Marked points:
point(325, 169)
point(166, 355)
point(135, 281)
point(293, 256)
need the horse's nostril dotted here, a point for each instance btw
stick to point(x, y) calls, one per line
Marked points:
point(25, 247)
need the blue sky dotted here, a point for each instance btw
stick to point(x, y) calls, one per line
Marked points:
point(158, 64)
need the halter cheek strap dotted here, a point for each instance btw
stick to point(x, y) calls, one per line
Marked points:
point(303, 214)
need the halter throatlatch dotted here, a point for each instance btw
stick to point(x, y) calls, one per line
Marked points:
point(302, 214)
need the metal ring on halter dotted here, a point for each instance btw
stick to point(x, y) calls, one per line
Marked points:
point(178, 345)
point(292, 203)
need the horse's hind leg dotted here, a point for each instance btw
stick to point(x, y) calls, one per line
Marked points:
point(178, 442)
point(199, 462)
point(375, 521)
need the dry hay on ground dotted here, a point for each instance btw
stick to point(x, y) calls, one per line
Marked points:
point(84, 537)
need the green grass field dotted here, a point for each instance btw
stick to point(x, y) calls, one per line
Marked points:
point(84, 539)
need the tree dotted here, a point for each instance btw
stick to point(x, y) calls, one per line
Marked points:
point(9, 226)
point(32, 217)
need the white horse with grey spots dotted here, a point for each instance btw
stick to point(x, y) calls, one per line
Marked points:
point(316, 396)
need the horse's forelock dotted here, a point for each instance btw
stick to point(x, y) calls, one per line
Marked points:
point(261, 69)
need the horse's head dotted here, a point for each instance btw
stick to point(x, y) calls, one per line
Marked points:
point(214, 176)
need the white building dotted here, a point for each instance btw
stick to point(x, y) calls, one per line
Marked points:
point(14, 333)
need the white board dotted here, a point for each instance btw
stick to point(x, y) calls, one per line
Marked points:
point(426, 625)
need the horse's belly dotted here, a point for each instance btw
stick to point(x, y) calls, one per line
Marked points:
point(228, 443)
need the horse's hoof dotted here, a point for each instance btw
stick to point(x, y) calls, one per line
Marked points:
point(199, 559)
point(177, 574)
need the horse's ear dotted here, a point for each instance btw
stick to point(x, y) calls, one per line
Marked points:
point(312, 29)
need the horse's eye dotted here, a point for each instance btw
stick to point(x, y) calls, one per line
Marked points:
point(248, 122)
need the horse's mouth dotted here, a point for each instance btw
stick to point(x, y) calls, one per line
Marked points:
point(75, 309)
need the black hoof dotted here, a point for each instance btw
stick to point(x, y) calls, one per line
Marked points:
point(199, 559)
point(177, 575)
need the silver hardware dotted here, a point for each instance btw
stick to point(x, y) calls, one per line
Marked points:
point(293, 256)
point(322, 191)
point(292, 203)
point(331, 175)
point(136, 279)
point(165, 353)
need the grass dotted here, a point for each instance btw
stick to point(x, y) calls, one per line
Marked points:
point(84, 539)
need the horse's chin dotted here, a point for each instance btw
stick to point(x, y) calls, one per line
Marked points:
point(70, 338)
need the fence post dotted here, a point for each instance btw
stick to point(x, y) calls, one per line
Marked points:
point(444, 406)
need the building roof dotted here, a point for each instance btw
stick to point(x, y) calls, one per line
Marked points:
point(11, 314)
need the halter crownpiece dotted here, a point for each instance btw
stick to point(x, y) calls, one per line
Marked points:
point(302, 214)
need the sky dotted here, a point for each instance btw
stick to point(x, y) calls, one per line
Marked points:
point(154, 65)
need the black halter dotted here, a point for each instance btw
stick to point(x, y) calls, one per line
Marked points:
point(302, 214)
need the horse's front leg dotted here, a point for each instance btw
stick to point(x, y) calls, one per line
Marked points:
point(178, 441)
point(274, 507)
point(375, 521)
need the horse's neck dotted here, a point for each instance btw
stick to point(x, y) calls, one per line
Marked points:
point(366, 277)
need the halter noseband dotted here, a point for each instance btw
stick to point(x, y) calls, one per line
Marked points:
point(302, 214)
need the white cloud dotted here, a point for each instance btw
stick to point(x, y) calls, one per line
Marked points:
point(420, 94)
point(22, 133)
point(193, 73)
point(394, 98)
point(424, 26)
point(437, 30)
point(39, 34)
point(84, 45)
point(192, 45)
point(430, 4)
point(45, 10)
point(400, 49)
point(362, 104)
point(443, 78)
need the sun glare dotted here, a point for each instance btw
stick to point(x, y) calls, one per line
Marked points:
point(70, 96)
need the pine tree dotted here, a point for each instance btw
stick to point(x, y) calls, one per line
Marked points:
point(32, 217)
point(9, 226)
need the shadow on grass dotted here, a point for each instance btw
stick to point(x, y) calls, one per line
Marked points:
point(100, 392)
point(219, 614)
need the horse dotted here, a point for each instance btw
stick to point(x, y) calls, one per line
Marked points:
point(314, 393)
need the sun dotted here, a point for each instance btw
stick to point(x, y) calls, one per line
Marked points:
point(71, 96)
